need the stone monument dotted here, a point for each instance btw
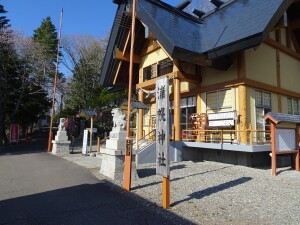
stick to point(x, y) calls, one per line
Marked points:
point(61, 143)
point(113, 155)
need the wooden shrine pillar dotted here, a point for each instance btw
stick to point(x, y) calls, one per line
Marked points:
point(273, 143)
point(242, 97)
point(243, 113)
point(140, 116)
point(177, 97)
point(297, 154)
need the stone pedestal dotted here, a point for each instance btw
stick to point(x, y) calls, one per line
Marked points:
point(61, 144)
point(113, 157)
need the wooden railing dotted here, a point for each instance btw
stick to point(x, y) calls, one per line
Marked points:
point(227, 136)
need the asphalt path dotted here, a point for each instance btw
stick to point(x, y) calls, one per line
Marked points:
point(39, 188)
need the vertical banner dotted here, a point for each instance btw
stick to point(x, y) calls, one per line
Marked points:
point(14, 133)
point(85, 142)
point(162, 127)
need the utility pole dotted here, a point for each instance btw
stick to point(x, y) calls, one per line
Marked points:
point(128, 152)
point(54, 85)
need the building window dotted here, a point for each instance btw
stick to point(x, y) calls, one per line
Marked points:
point(164, 67)
point(150, 72)
point(188, 107)
point(158, 69)
point(262, 107)
point(220, 99)
point(293, 106)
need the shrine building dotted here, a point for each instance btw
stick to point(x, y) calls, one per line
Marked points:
point(227, 68)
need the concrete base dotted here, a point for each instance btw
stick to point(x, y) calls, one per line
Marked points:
point(112, 165)
point(116, 144)
point(256, 159)
point(61, 147)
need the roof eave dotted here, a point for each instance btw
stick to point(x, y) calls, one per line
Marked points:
point(159, 34)
point(232, 48)
point(104, 79)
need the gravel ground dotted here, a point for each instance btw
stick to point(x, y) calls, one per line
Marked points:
point(217, 193)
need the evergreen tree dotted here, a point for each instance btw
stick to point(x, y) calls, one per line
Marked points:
point(21, 99)
point(46, 35)
point(5, 69)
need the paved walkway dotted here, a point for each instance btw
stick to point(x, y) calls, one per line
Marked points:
point(39, 188)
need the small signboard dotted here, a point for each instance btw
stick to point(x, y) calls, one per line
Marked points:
point(14, 133)
point(285, 139)
point(222, 116)
point(221, 123)
point(85, 142)
point(223, 119)
point(162, 127)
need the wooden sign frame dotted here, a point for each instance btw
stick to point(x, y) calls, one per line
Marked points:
point(276, 151)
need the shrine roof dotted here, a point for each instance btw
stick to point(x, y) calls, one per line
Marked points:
point(281, 117)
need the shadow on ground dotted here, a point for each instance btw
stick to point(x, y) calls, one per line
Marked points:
point(85, 204)
point(215, 189)
point(34, 145)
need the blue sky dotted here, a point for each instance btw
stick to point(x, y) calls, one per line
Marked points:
point(93, 17)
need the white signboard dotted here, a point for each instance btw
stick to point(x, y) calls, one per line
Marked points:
point(85, 144)
point(285, 139)
point(221, 123)
point(222, 116)
point(162, 127)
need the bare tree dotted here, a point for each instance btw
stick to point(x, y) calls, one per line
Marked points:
point(83, 56)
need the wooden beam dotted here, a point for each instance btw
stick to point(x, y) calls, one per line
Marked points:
point(150, 84)
point(241, 61)
point(165, 51)
point(121, 62)
point(119, 55)
point(282, 48)
point(150, 48)
point(118, 71)
point(126, 44)
point(270, 88)
point(247, 82)
point(278, 79)
point(186, 77)
point(278, 35)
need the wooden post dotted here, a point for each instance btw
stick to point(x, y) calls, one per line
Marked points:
point(173, 132)
point(273, 141)
point(166, 193)
point(177, 97)
point(98, 144)
point(177, 110)
point(243, 113)
point(137, 139)
point(91, 135)
point(297, 157)
point(140, 116)
point(251, 134)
